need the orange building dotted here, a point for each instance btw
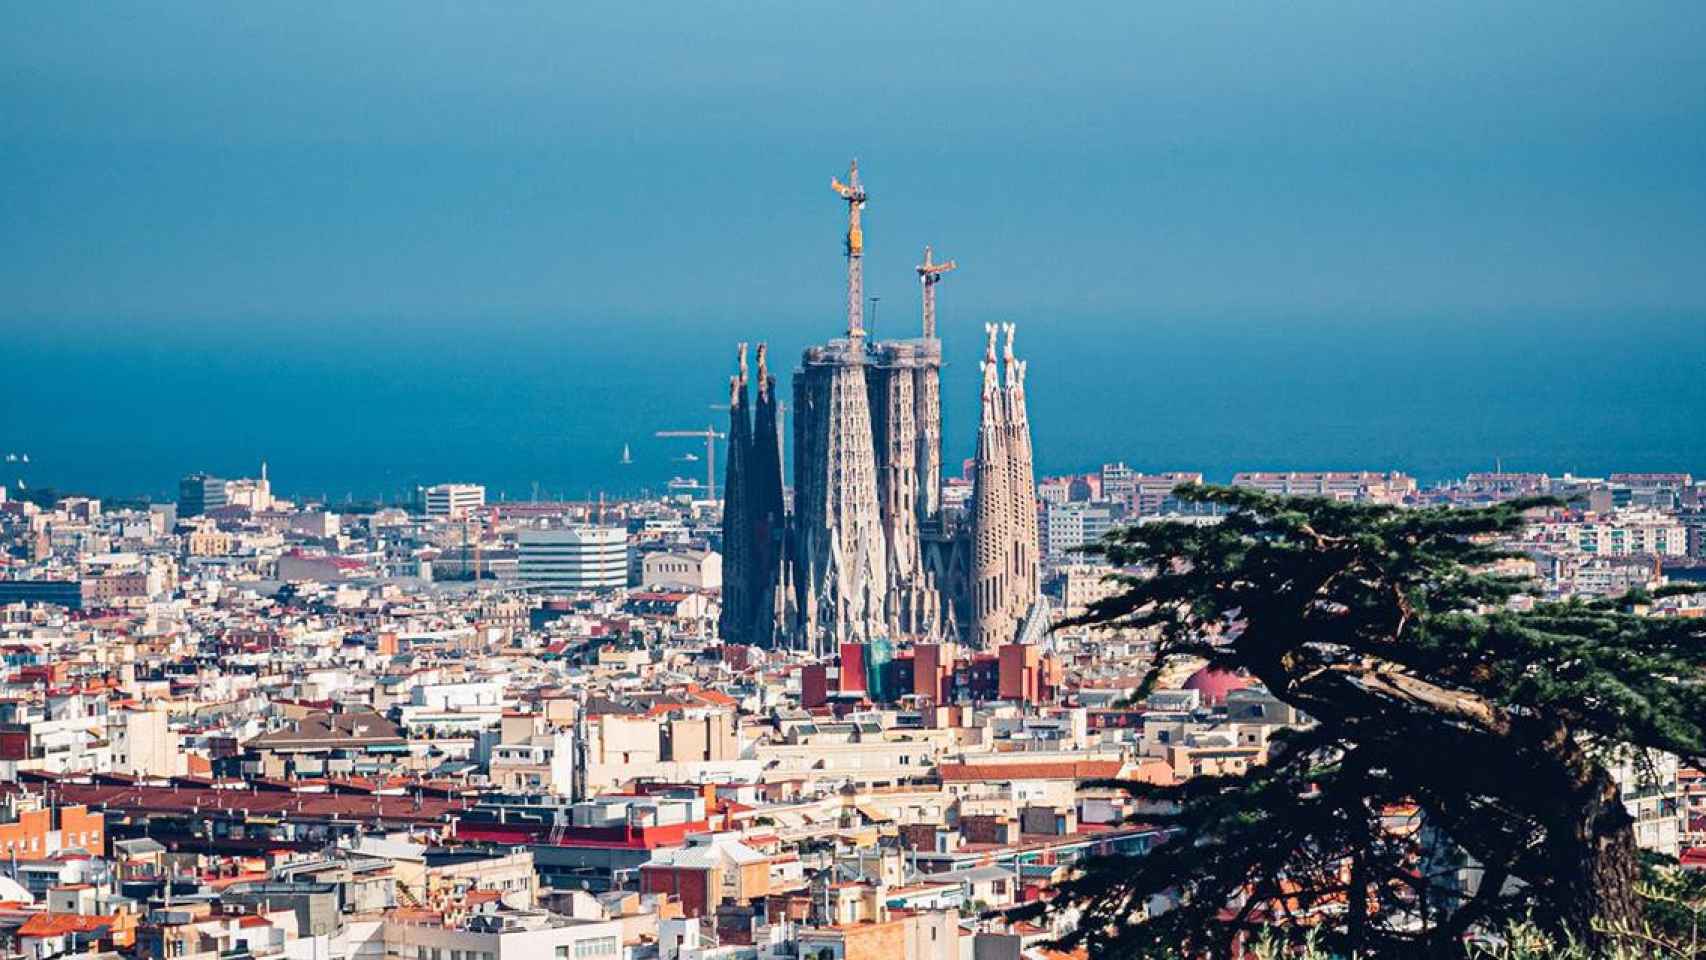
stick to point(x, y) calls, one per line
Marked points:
point(37, 831)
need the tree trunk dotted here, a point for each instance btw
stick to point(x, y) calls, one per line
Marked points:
point(1592, 855)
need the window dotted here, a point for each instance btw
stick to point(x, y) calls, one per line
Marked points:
point(596, 947)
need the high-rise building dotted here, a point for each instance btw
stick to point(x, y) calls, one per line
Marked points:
point(453, 500)
point(199, 493)
point(1119, 482)
point(577, 558)
point(1068, 526)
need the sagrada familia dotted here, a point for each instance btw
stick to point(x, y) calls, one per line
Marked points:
point(866, 553)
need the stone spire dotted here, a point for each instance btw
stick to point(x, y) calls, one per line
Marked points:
point(1021, 487)
point(840, 574)
point(734, 621)
point(766, 517)
point(992, 510)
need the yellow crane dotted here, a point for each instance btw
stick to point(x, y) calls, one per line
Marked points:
point(854, 193)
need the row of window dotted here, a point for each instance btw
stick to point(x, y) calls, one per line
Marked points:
point(438, 953)
point(591, 948)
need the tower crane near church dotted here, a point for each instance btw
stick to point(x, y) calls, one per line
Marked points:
point(710, 436)
point(930, 273)
point(866, 555)
point(854, 193)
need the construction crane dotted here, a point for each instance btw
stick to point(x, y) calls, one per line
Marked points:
point(711, 437)
point(930, 274)
point(854, 193)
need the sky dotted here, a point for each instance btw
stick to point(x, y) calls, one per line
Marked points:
point(264, 172)
point(433, 160)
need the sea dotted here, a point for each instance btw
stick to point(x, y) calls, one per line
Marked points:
point(366, 410)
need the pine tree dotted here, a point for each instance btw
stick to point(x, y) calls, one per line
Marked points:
point(1427, 691)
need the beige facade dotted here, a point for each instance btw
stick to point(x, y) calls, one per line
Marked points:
point(1005, 536)
point(682, 570)
point(144, 744)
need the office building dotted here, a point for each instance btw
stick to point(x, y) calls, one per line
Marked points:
point(1068, 526)
point(199, 493)
point(453, 500)
point(578, 558)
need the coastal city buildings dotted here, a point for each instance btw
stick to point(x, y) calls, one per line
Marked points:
point(272, 729)
point(838, 713)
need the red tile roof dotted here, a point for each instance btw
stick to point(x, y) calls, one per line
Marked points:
point(60, 924)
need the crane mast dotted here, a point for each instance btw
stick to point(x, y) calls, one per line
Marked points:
point(929, 274)
point(854, 193)
point(711, 437)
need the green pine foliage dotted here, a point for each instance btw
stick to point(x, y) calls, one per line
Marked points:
point(1428, 691)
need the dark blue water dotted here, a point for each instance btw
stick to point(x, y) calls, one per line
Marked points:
point(372, 408)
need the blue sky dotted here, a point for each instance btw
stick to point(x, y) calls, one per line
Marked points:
point(409, 162)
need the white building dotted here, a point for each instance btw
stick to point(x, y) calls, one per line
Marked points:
point(682, 570)
point(1358, 485)
point(144, 744)
point(1621, 534)
point(508, 935)
point(255, 493)
point(454, 500)
point(579, 558)
point(1650, 789)
point(1069, 525)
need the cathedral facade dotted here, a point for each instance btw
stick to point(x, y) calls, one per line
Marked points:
point(866, 554)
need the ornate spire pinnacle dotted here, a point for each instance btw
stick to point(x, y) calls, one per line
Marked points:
point(737, 383)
